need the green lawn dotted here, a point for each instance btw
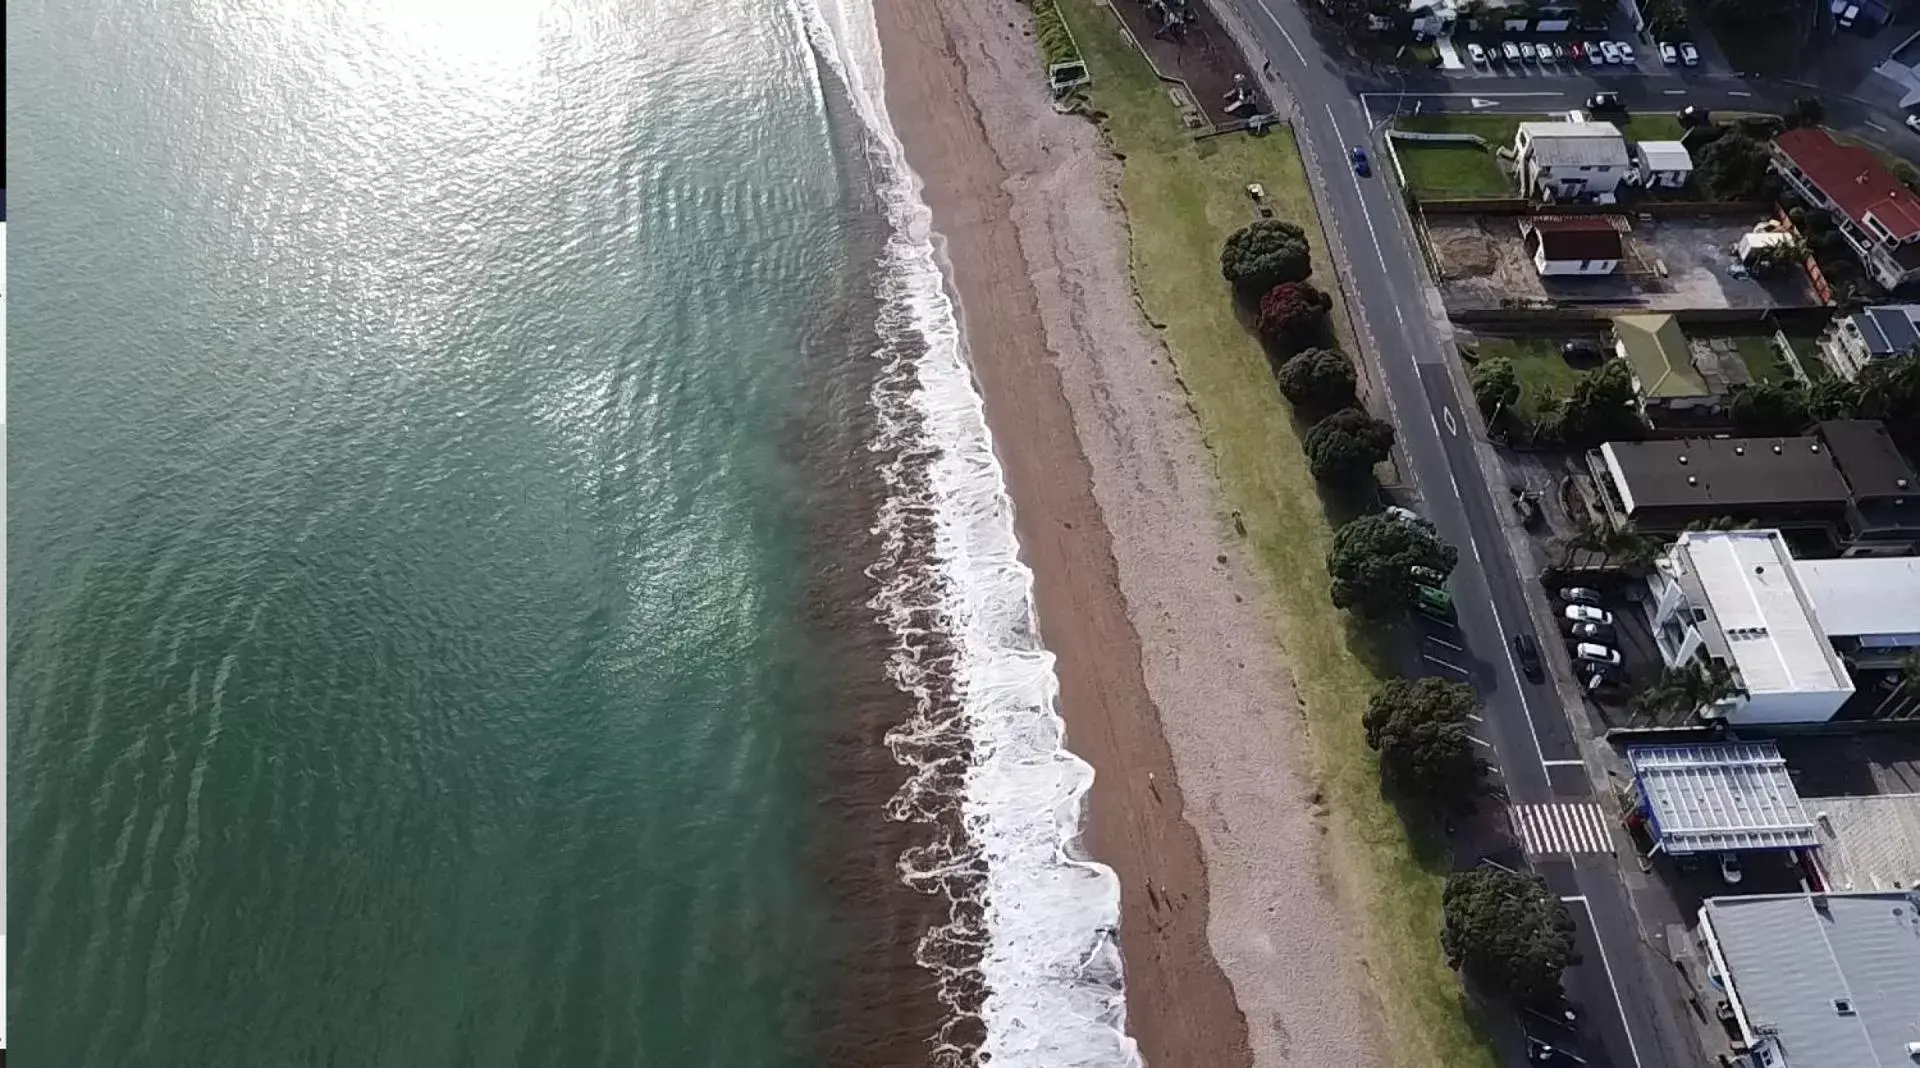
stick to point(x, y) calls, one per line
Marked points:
point(1498, 130)
point(1452, 172)
point(1763, 359)
point(1537, 363)
point(1182, 199)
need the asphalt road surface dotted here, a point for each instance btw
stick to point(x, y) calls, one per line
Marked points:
point(1629, 1023)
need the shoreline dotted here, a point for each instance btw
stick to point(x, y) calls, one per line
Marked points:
point(1169, 670)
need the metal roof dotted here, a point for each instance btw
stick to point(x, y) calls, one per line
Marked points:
point(1656, 348)
point(1831, 980)
point(1888, 329)
point(1664, 155)
point(1753, 595)
point(1868, 597)
point(1575, 144)
point(1715, 798)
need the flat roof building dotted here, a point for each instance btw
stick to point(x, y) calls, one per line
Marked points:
point(1819, 980)
point(1868, 843)
point(1719, 798)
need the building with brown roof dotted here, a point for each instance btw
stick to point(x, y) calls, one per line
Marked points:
point(1573, 244)
point(1878, 216)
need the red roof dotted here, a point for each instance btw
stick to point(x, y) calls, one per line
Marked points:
point(1854, 179)
point(1577, 237)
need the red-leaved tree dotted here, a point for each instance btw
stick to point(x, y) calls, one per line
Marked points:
point(1293, 316)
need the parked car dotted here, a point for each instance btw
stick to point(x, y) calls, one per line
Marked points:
point(1590, 670)
point(1575, 50)
point(1693, 115)
point(1913, 122)
point(1404, 515)
point(1360, 165)
point(1849, 16)
point(1476, 55)
point(1610, 51)
point(1580, 595)
point(1626, 51)
point(1556, 51)
point(1527, 652)
point(1595, 54)
point(1730, 868)
point(1601, 654)
point(1586, 613)
point(1598, 632)
point(1581, 349)
point(1689, 55)
point(1606, 103)
point(1510, 51)
point(1433, 602)
point(1526, 51)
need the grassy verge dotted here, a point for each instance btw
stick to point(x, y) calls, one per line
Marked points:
point(1452, 172)
point(1763, 359)
point(1182, 199)
point(1498, 130)
point(1537, 363)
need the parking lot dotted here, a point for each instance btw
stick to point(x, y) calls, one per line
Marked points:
point(1547, 55)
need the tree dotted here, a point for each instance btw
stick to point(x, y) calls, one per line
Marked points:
point(1769, 260)
point(1495, 386)
point(1319, 380)
point(1763, 409)
point(1507, 931)
point(1806, 111)
point(1343, 447)
point(1264, 254)
point(1420, 731)
point(1686, 689)
point(1890, 391)
point(1366, 14)
point(1601, 407)
point(1753, 12)
point(1373, 559)
point(1293, 316)
point(1832, 398)
point(1734, 167)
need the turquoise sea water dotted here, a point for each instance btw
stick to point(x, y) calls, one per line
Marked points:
point(409, 652)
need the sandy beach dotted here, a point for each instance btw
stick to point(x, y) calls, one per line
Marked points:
point(1172, 684)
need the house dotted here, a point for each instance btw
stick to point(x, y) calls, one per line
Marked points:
point(1571, 160)
point(1573, 244)
point(1664, 376)
point(1662, 164)
point(1845, 481)
point(1817, 979)
point(1878, 216)
point(1734, 598)
point(1851, 342)
point(1869, 842)
point(1432, 18)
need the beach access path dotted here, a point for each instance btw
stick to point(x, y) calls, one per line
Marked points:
point(1171, 684)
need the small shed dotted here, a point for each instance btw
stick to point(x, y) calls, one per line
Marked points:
point(1662, 164)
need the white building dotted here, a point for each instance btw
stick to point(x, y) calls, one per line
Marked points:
point(1734, 597)
point(1662, 164)
point(1573, 244)
point(1867, 605)
point(1571, 160)
point(1852, 341)
point(1818, 980)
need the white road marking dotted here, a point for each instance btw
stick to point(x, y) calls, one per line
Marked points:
point(1562, 827)
point(1625, 1024)
point(1479, 103)
point(1446, 414)
point(1448, 644)
point(1564, 763)
point(1734, 92)
point(1443, 663)
point(1475, 718)
point(1271, 17)
point(1482, 741)
point(1876, 126)
point(1674, 92)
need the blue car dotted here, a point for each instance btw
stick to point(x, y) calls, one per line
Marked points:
point(1360, 165)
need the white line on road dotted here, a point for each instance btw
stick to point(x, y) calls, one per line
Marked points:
point(1876, 126)
point(1468, 96)
point(1564, 763)
point(1582, 898)
point(1443, 663)
point(1448, 644)
point(1480, 740)
point(1475, 718)
point(1674, 92)
point(1271, 17)
point(1733, 92)
point(1446, 413)
point(1625, 1024)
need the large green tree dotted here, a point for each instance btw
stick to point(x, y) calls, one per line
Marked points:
point(1890, 391)
point(1765, 409)
point(1833, 398)
point(1508, 932)
point(1373, 559)
point(1264, 254)
point(1684, 690)
point(1495, 385)
point(1318, 380)
point(1419, 728)
point(1601, 407)
point(1343, 447)
point(1734, 167)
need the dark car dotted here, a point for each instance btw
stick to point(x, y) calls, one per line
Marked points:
point(1527, 651)
point(1606, 104)
point(1693, 115)
point(1580, 349)
point(1360, 165)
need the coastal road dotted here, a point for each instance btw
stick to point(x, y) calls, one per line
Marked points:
point(1403, 322)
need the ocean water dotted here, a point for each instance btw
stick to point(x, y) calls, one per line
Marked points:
point(508, 566)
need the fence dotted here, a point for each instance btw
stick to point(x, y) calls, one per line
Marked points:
point(1530, 318)
point(1659, 209)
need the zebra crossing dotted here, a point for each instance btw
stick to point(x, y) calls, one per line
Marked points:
point(1568, 827)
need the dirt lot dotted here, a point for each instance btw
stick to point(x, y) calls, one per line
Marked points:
point(1671, 264)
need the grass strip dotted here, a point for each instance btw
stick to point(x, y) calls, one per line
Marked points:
point(1183, 197)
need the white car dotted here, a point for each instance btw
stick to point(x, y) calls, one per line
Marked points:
point(1913, 122)
point(1477, 55)
point(1586, 613)
point(1689, 54)
point(1669, 54)
point(1626, 51)
point(1526, 51)
point(1730, 868)
point(1599, 654)
point(1580, 595)
point(1511, 51)
point(1404, 515)
point(1610, 51)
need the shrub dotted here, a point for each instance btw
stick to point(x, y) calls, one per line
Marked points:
point(1265, 254)
point(1318, 380)
point(1293, 316)
point(1343, 447)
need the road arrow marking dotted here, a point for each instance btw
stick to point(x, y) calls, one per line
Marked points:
point(1480, 103)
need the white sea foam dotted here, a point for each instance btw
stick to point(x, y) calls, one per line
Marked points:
point(1047, 917)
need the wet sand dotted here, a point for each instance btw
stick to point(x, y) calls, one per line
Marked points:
point(1234, 952)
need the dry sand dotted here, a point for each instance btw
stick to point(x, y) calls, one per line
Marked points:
point(1171, 684)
